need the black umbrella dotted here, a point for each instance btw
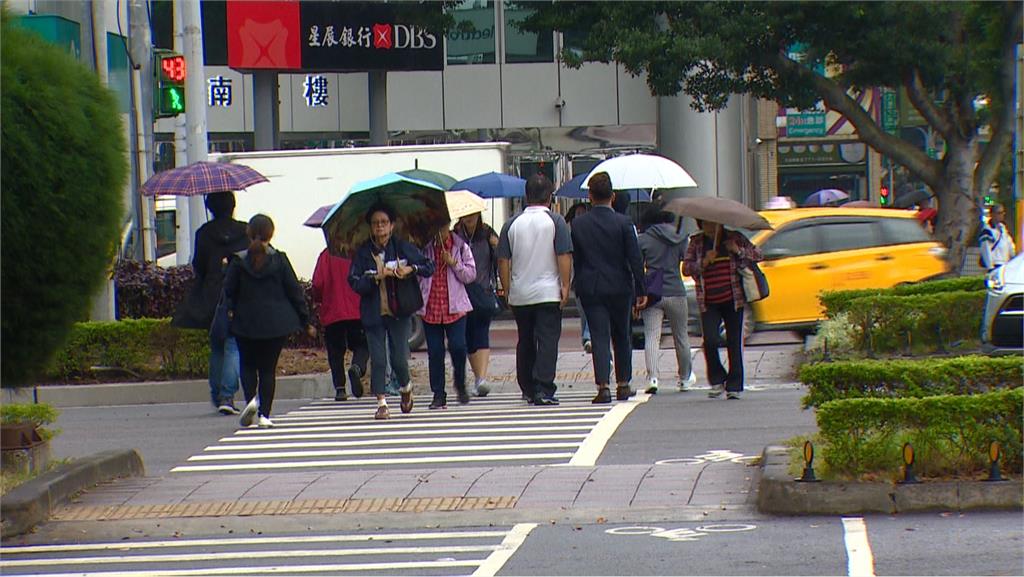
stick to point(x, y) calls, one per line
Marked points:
point(911, 197)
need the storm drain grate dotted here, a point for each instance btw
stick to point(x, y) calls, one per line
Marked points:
point(305, 507)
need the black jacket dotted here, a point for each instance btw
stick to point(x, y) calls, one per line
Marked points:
point(367, 287)
point(215, 242)
point(267, 303)
point(606, 256)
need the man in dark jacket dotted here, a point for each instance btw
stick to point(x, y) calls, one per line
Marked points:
point(215, 242)
point(609, 272)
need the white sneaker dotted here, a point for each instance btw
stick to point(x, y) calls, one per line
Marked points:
point(481, 389)
point(652, 386)
point(265, 423)
point(689, 382)
point(249, 413)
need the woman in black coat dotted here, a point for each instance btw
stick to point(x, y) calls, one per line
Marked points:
point(378, 263)
point(265, 303)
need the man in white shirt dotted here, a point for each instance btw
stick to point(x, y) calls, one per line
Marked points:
point(534, 263)
point(995, 241)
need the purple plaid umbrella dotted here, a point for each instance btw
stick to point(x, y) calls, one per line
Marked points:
point(316, 219)
point(201, 178)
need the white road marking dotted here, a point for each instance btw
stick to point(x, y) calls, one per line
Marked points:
point(593, 445)
point(382, 427)
point(236, 541)
point(451, 413)
point(353, 462)
point(515, 538)
point(413, 441)
point(235, 555)
point(391, 434)
point(382, 451)
point(278, 570)
point(433, 416)
point(860, 561)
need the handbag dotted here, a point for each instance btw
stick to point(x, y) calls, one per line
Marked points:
point(483, 299)
point(220, 327)
point(754, 283)
point(404, 296)
point(655, 279)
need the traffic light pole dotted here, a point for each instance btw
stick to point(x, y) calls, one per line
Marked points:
point(197, 143)
point(142, 71)
point(183, 229)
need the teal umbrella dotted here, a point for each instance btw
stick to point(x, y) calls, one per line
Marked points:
point(439, 178)
point(419, 206)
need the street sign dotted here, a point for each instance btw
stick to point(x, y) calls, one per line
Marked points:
point(805, 124)
point(890, 112)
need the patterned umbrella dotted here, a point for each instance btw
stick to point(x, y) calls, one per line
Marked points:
point(825, 197)
point(202, 178)
point(419, 206)
point(462, 203)
point(493, 185)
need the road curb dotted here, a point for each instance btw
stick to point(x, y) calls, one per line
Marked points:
point(158, 392)
point(32, 502)
point(780, 494)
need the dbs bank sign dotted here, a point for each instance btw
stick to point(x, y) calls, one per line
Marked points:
point(332, 36)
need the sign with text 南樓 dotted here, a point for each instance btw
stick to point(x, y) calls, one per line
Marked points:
point(318, 36)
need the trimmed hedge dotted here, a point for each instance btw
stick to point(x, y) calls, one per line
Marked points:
point(967, 375)
point(950, 433)
point(925, 322)
point(142, 348)
point(836, 302)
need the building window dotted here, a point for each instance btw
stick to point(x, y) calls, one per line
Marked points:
point(471, 40)
point(521, 46)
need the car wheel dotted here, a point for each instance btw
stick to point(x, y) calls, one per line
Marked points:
point(416, 335)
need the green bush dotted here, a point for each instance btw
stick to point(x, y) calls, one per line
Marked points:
point(908, 377)
point(38, 414)
point(140, 348)
point(63, 164)
point(925, 322)
point(837, 302)
point(834, 336)
point(950, 433)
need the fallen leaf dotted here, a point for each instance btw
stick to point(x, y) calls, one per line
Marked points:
point(601, 520)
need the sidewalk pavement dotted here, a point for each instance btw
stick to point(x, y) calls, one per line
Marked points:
point(772, 364)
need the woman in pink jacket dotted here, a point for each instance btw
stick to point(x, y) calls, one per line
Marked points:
point(339, 316)
point(444, 311)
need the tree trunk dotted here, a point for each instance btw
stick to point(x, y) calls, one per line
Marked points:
point(959, 207)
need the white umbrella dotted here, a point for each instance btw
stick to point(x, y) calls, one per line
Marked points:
point(463, 202)
point(642, 171)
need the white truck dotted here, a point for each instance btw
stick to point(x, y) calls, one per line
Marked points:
point(300, 181)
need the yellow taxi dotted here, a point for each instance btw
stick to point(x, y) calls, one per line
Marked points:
point(812, 250)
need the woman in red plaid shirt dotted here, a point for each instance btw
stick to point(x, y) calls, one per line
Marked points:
point(444, 311)
point(713, 258)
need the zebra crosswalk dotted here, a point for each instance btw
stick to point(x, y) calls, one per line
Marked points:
point(450, 552)
point(497, 429)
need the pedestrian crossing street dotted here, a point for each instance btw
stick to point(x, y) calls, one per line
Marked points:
point(498, 429)
point(448, 552)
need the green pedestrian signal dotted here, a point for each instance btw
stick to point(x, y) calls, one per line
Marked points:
point(169, 93)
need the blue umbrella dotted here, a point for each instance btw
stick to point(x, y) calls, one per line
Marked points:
point(573, 189)
point(825, 197)
point(493, 185)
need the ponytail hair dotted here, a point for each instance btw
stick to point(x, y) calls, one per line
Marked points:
point(260, 230)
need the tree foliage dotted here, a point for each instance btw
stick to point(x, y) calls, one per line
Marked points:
point(948, 56)
point(63, 168)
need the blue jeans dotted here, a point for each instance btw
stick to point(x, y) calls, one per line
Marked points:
point(456, 333)
point(584, 325)
point(392, 334)
point(224, 369)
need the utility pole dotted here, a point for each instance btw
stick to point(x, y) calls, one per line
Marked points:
point(195, 95)
point(140, 47)
point(103, 306)
point(183, 230)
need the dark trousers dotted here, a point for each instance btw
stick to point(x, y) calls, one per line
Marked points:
point(342, 336)
point(394, 334)
point(258, 360)
point(608, 317)
point(710, 320)
point(539, 327)
point(456, 333)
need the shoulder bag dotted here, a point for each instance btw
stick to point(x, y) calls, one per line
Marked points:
point(754, 283)
point(220, 328)
point(655, 279)
point(404, 296)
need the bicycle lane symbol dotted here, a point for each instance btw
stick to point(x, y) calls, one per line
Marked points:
point(682, 534)
point(713, 456)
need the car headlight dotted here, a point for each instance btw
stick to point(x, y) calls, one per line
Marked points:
point(996, 280)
